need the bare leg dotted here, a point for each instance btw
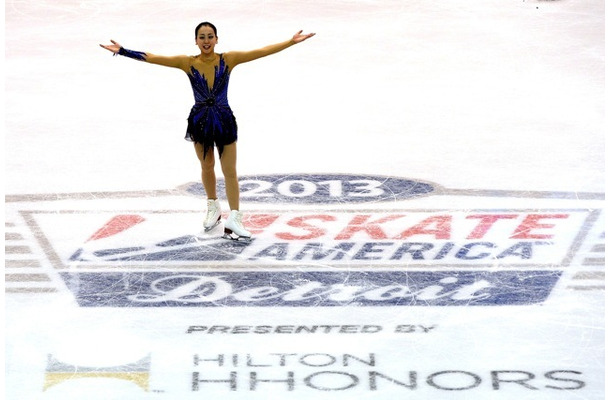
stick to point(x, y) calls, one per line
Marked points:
point(208, 177)
point(228, 162)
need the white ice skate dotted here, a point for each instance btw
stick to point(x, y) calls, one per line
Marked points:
point(234, 229)
point(212, 217)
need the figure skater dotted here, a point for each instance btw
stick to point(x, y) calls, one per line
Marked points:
point(211, 121)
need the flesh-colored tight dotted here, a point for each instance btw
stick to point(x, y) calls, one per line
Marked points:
point(228, 163)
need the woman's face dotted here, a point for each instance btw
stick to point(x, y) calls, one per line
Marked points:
point(206, 40)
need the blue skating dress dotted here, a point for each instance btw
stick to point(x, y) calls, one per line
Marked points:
point(211, 121)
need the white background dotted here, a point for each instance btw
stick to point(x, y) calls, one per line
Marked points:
point(491, 94)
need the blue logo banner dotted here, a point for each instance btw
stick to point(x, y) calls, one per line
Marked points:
point(310, 289)
point(323, 188)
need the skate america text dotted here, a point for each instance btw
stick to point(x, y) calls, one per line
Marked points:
point(306, 329)
point(417, 238)
point(361, 372)
point(413, 237)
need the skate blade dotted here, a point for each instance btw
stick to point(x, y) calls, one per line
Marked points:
point(209, 228)
point(236, 238)
point(230, 235)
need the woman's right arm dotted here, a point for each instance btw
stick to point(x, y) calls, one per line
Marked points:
point(181, 62)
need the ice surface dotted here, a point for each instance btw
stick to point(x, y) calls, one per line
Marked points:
point(425, 182)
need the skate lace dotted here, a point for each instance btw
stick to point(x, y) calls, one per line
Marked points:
point(237, 219)
point(210, 213)
point(211, 210)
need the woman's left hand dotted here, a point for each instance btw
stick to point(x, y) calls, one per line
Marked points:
point(299, 37)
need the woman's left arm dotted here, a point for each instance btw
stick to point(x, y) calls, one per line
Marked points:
point(239, 57)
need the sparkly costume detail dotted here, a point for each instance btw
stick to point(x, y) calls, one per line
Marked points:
point(211, 121)
point(136, 55)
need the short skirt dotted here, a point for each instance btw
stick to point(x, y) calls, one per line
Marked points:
point(211, 125)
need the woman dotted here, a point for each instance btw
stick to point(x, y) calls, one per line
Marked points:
point(211, 121)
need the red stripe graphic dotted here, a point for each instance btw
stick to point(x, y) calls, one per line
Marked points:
point(116, 225)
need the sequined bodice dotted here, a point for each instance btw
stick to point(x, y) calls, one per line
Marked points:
point(218, 94)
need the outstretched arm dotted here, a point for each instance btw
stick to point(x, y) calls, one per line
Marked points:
point(175, 61)
point(238, 57)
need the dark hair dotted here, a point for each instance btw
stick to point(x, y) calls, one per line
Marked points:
point(211, 25)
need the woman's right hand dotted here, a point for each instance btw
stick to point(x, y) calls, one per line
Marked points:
point(114, 47)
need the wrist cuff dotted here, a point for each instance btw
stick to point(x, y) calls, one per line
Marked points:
point(136, 55)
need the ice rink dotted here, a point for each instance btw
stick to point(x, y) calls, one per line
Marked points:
point(424, 182)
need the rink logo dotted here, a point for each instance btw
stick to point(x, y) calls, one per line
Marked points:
point(311, 289)
point(58, 372)
point(474, 257)
point(413, 238)
point(324, 188)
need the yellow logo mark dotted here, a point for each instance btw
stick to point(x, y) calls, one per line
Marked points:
point(58, 372)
